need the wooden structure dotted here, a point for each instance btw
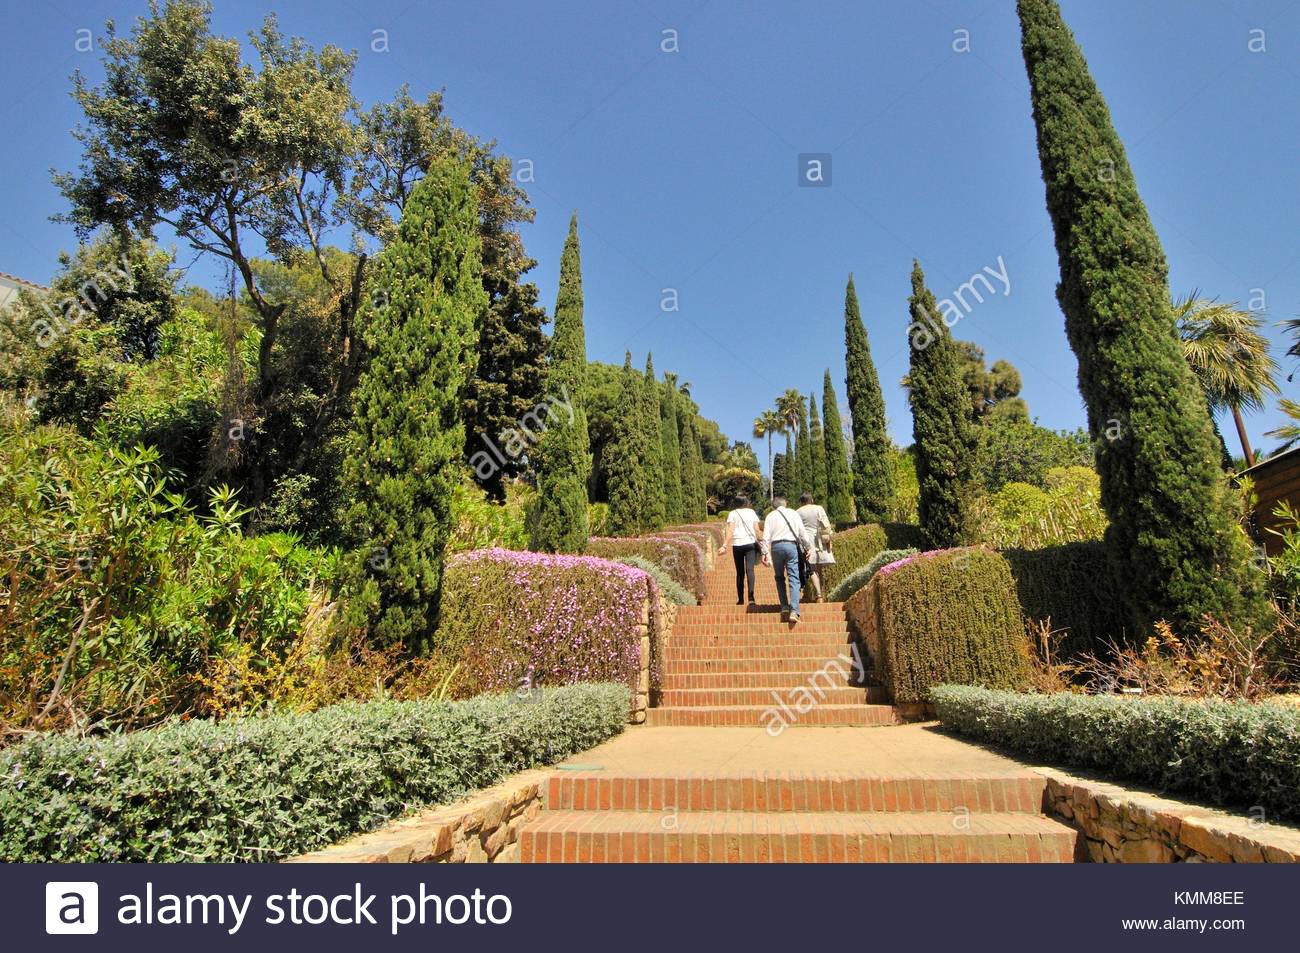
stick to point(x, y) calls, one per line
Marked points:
point(1276, 480)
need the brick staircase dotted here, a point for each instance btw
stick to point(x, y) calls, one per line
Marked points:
point(728, 667)
point(742, 666)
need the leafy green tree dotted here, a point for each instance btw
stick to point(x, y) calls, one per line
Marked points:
point(564, 453)
point(946, 440)
point(629, 480)
point(816, 453)
point(655, 514)
point(994, 391)
point(671, 450)
point(238, 157)
point(839, 481)
point(873, 485)
point(1017, 451)
point(1172, 528)
point(408, 435)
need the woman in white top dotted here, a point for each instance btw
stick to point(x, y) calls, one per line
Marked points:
point(744, 533)
point(819, 529)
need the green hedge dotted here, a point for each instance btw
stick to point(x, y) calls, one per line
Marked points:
point(1232, 753)
point(260, 789)
point(681, 558)
point(1074, 585)
point(948, 616)
point(549, 619)
point(903, 536)
point(853, 549)
point(850, 584)
point(669, 586)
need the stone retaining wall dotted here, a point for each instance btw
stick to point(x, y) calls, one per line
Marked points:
point(483, 830)
point(1122, 826)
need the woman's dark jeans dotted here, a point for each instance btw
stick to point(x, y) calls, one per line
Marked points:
point(745, 557)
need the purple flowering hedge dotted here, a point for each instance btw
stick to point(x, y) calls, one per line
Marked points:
point(516, 619)
point(681, 558)
point(943, 616)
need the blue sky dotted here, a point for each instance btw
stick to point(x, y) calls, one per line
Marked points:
point(683, 165)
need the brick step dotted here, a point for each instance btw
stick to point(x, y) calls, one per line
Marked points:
point(742, 629)
point(734, 837)
point(723, 608)
point(679, 681)
point(830, 641)
point(1013, 793)
point(729, 663)
point(763, 716)
point(731, 696)
point(807, 652)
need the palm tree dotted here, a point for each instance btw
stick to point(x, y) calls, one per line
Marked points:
point(1229, 357)
point(766, 424)
point(790, 406)
point(1290, 433)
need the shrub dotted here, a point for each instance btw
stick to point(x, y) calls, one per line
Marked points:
point(855, 580)
point(1068, 510)
point(117, 596)
point(853, 549)
point(1231, 753)
point(667, 584)
point(517, 618)
point(946, 616)
point(1073, 586)
point(715, 528)
point(680, 558)
point(259, 789)
point(479, 523)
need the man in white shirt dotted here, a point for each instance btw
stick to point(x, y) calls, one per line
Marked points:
point(783, 538)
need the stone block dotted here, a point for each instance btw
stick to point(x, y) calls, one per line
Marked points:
point(1204, 839)
point(1149, 851)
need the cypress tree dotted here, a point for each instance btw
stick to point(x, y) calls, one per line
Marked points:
point(564, 452)
point(804, 480)
point(655, 514)
point(946, 439)
point(629, 483)
point(816, 453)
point(408, 435)
point(780, 475)
point(789, 483)
point(1172, 529)
point(672, 451)
point(693, 490)
point(839, 481)
point(873, 477)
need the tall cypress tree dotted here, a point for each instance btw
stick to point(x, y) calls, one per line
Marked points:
point(839, 481)
point(655, 514)
point(946, 439)
point(671, 445)
point(1172, 530)
point(873, 477)
point(816, 453)
point(788, 485)
point(781, 475)
point(629, 483)
point(564, 452)
point(408, 435)
point(695, 501)
point(803, 456)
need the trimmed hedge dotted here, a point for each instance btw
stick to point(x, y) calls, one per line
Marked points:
point(904, 536)
point(260, 789)
point(681, 558)
point(853, 549)
point(945, 616)
point(855, 580)
point(715, 528)
point(1231, 753)
point(1074, 585)
point(552, 620)
point(667, 584)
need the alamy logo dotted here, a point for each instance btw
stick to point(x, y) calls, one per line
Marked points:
point(72, 906)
